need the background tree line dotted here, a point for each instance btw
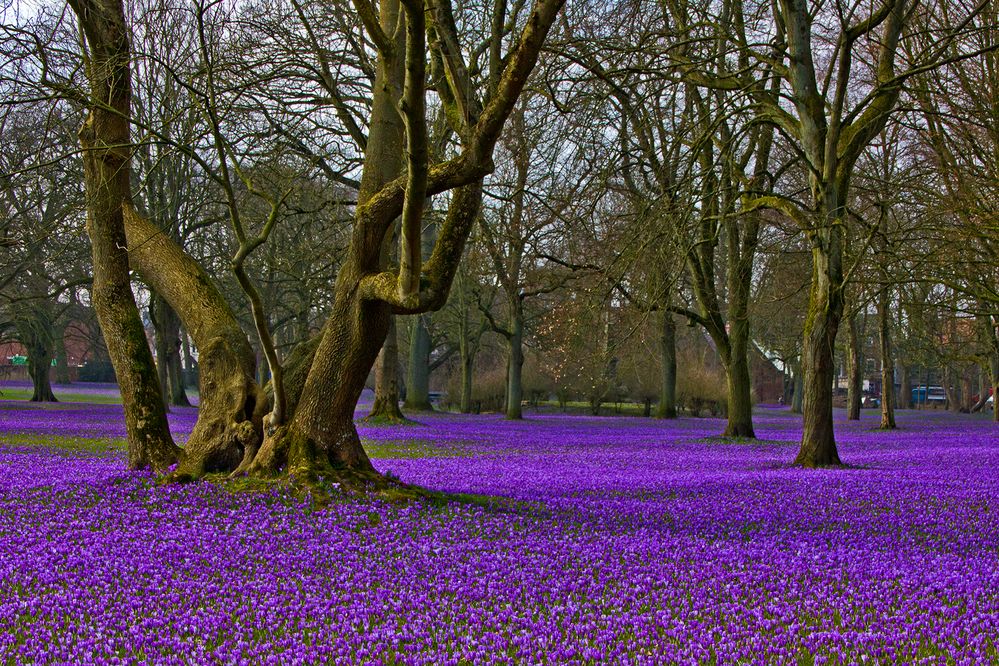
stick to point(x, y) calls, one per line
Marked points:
point(597, 202)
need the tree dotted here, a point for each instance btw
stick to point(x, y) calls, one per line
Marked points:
point(825, 56)
point(321, 435)
point(105, 141)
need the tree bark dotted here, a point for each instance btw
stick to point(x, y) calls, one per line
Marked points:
point(167, 327)
point(467, 366)
point(39, 369)
point(515, 361)
point(34, 327)
point(740, 382)
point(965, 400)
point(798, 394)
point(983, 389)
point(666, 409)
point(825, 309)
point(321, 438)
point(386, 403)
point(105, 141)
point(905, 386)
point(854, 367)
point(887, 362)
point(994, 365)
point(418, 372)
point(232, 405)
point(951, 390)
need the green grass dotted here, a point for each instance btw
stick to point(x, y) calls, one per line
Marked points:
point(401, 449)
point(64, 443)
point(411, 449)
point(62, 395)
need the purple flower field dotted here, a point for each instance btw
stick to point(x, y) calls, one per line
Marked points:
point(611, 540)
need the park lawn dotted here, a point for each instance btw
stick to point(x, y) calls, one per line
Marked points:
point(20, 393)
point(611, 539)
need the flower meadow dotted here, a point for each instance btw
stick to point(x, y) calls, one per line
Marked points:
point(593, 540)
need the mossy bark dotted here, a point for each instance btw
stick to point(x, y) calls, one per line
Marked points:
point(321, 437)
point(232, 405)
point(825, 310)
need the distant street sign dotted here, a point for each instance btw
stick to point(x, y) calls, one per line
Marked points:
point(19, 360)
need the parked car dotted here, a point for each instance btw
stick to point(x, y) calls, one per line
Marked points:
point(932, 395)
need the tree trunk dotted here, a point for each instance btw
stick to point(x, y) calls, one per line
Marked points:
point(951, 390)
point(666, 409)
point(798, 394)
point(418, 373)
point(386, 405)
point(825, 308)
point(854, 370)
point(40, 371)
point(595, 403)
point(965, 400)
point(467, 363)
point(105, 141)
point(983, 389)
point(167, 326)
point(159, 341)
point(178, 392)
point(33, 324)
point(232, 405)
point(887, 363)
point(740, 382)
point(515, 362)
point(189, 369)
point(905, 386)
point(321, 437)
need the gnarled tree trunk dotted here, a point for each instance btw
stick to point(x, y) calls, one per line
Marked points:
point(825, 308)
point(321, 438)
point(232, 405)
